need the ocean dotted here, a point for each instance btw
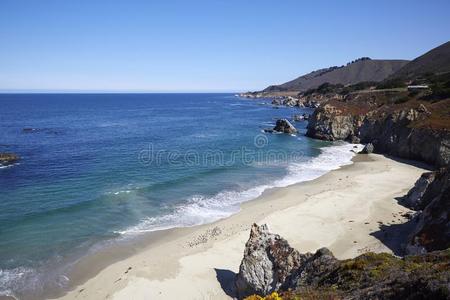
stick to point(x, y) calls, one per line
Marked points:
point(105, 167)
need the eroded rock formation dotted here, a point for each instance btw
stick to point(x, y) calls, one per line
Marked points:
point(268, 261)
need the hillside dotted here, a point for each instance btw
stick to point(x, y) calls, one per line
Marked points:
point(358, 71)
point(436, 60)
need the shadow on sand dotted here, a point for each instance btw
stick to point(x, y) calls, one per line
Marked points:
point(395, 236)
point(226, 280)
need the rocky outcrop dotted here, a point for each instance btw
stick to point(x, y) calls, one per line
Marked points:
point(313, 269)
point(314, 100)
point(391, 132)
point(267, 264)
point(330, 123)
point(277, 102)
point(270, 264)
point(414, 199)
point(432, 226)
point(290, 101)
point(8, 159)
point(368, 148)
point(284, 126)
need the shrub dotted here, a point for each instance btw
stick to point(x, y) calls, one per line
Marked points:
point(391, 84)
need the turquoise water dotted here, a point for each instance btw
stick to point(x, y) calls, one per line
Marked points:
point(99, 167)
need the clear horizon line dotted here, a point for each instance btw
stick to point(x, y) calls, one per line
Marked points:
point(81, 91)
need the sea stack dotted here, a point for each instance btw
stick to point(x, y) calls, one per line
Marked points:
point(284, 126)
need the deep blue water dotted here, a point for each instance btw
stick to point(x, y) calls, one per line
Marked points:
point(98, 167)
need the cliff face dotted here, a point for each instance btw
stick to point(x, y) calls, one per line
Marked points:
point(405, 130)
point(432, 226)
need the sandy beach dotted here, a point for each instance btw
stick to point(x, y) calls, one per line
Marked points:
point(350, 210)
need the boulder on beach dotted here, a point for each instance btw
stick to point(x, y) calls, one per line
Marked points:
point(368, 148)
point(8, 158)
point(284, 126)
point(267, 263)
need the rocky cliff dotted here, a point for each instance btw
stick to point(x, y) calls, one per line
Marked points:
point(270, 264)
point(431, 196)
point(394, 122)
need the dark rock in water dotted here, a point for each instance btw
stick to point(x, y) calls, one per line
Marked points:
point(8, 158)
point(268, 130)
point(29, 130)
point(368, 148)
point(268, 261)
point(298, 118)
point(51, 131)
point(432, 229)
point(270, 264)
point(284, 126)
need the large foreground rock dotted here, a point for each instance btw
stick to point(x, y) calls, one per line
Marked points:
point(268, 261)
point(284, 126)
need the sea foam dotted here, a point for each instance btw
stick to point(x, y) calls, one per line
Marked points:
point(201, 210)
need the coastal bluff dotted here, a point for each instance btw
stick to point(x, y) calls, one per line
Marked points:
point(407, 130)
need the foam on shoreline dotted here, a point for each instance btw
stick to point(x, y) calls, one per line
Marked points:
point(202, 210)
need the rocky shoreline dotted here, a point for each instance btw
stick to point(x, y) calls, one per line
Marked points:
point(402, 130)
point(271, 265)
point(405, 123)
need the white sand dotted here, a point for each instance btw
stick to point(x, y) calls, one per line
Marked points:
point(339, 210)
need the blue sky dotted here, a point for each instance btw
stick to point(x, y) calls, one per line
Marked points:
point(202, 45)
